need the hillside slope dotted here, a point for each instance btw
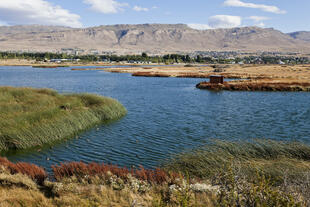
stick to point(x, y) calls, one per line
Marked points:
point(152, 38)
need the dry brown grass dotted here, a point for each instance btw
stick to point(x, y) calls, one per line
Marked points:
point(283, 76)
point(21, 197)
point(261, 85)
point(151, 74)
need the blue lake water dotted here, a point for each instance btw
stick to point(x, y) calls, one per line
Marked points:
point(165, 116)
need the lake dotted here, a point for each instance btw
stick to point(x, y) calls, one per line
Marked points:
point(165, 116)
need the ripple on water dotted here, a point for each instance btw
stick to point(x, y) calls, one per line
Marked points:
point(165, 116)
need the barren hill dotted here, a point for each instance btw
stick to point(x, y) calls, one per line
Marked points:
point(152, 38)
point(305, 36)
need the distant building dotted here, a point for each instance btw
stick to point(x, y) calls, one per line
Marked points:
point(216, 79)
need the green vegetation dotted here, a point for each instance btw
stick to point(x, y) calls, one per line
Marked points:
point(250, 170)
point(33, 117)
point(202, 58)
point(268, 156)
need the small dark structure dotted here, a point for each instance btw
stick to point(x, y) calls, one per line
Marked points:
point(216, 79)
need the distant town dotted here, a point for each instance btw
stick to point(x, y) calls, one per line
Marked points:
point(201, 57)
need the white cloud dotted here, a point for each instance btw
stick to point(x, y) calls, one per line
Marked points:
point(106, 6)
point(224, 21)
point(266, 8)
point(199, 26)
point(139, 9)
point(36, 12)
point(261, 24)
point(258, 18)
point(219, 21)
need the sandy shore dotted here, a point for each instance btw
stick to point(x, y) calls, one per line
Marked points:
point(253, 72)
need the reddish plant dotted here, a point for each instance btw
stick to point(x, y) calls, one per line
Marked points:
point(80, 170)
point(36, 173)
point(254, 86)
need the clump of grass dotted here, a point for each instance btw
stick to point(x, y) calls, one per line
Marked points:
point(33, 117)
point(251, 173)
point(236, 190)
point(17, 180)
point(272, 157)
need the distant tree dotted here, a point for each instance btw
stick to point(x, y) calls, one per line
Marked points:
point(198, 59)
point(144, 55)
point(187, 58)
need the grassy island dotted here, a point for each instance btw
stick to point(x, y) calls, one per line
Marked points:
point(33, 117)
point(261, 85)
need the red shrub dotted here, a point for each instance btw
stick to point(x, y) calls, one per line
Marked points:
point(80, 170)
point(36, 173)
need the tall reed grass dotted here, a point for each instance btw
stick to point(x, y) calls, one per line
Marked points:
point(33, 117)
point(274, 158)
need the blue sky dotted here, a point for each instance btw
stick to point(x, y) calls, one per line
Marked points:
point(285, 15)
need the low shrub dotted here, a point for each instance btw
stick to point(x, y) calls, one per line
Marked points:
point(82, 170)
point(36, 173)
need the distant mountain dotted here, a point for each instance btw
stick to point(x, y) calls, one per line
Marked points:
point(30, 29)
point(151, 38)
point(305, 36)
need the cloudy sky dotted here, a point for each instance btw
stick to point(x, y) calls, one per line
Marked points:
point(285, 15)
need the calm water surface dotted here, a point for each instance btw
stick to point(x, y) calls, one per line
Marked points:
point(165, 116)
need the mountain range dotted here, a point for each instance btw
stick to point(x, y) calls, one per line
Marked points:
point(150, 38)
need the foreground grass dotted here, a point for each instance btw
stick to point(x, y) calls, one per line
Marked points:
point(267, 156)
point(282, 165)
point(33, 117)
point(256, 173)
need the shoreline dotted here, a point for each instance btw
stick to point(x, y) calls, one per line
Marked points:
point(254, 77)
point(272, 171)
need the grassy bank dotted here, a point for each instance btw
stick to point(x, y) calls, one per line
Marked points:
point(268, 156)
point(33, 117)
point(256, 173)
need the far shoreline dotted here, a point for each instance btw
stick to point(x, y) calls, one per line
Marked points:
point(249, 77)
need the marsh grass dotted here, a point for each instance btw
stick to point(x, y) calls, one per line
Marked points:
point(255, 171)
point(33, 117)
point(276, 159)
point(249, 173)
